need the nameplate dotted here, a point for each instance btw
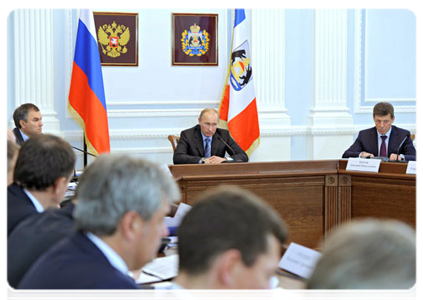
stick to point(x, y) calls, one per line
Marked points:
point(411, 168)
point(299, 260)
point(363, 165)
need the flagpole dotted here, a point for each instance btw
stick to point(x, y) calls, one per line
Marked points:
point(85, 153)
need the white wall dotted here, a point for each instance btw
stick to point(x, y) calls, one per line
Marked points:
point(317, 75)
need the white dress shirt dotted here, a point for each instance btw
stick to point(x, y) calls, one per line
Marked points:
point(115, 260)
point(34, 201)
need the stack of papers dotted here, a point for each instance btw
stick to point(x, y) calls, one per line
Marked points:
point(161, 268)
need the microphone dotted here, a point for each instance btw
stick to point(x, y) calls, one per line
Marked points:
point(399, 147)
point(226, 144)
point(83, 151)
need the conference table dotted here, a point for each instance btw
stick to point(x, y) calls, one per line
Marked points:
point(313, 197)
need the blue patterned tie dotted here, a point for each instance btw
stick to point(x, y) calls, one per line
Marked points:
point(208, 148)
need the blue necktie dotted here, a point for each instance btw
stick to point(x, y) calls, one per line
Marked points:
point(208, 148)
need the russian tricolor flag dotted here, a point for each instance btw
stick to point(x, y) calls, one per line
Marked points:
point(87, 102)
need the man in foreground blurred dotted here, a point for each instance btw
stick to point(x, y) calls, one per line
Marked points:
point(230, 239)
point(119, 217)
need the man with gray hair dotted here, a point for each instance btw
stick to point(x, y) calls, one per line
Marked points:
point(122, 202)
point(367, 254)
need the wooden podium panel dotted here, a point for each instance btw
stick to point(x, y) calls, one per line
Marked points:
point(387, 194)
point(297, 190)
point(313, 197)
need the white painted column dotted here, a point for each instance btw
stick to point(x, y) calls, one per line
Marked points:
point(34, 71)
point(268, 59)
point(330, 122)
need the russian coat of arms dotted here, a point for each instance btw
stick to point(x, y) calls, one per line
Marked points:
point(195, 41)
point(113, 39)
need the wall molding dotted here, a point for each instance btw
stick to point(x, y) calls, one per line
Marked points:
point(123, 135)
point(359, 97)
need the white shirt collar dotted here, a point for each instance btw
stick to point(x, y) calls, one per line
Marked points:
point(24, 136)
point(387, 134)
point(115, 260)
point(182, 293)
point(34, 201)
point(205, 137)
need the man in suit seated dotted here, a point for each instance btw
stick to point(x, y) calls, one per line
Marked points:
point(230, 239)
point(122, 202)
point(34, 236)
point(28, 122)
point(367, 254)
point(42, 172)
point(385, 139)
point(205, 143)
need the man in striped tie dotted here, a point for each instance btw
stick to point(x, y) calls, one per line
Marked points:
point(207, 144)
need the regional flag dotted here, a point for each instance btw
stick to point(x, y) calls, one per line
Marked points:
point(87, 102)
point(238, 108)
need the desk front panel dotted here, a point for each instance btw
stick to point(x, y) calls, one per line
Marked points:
point(300, 196)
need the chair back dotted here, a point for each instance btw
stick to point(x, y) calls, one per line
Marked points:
point(412, 136)
point(173, 139)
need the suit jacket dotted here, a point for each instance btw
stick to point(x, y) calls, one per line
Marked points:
point(190, 147)
point(19, 138)
point(75, 263)
point(19, 206)
point(34, 236)
point(367, 141)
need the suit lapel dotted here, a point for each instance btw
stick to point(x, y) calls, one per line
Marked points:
point(215, 144)
point(374, 142)
point(393, 141)
point(198, 141)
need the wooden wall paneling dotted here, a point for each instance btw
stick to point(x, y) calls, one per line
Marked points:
point(344, 198)
point(383, 198)
point(331, 202)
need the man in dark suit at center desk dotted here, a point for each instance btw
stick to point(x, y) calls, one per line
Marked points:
point(385, 139)
point(207, 144)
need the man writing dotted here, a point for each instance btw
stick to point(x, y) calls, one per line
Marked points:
point(28, 122)
point(230, 239)
point(385, 139)
point(122, 202)
point(207, 144)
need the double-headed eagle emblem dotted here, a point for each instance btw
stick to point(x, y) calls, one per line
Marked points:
point(113, 39)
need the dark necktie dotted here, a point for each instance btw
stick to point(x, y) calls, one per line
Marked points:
point(383, 146)
point(208, 148)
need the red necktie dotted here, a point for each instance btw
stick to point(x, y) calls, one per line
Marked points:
point(383, 146)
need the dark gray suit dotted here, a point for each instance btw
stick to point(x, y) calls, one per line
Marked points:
point(18, 135)
point(19, 207)
point(190, 147)
point(33, 237)
point(75, 263)
point(367, 141)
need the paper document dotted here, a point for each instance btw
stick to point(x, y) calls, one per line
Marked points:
point(145, 278)
point(182, 210)
point(163, 267)
point(299, 260)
